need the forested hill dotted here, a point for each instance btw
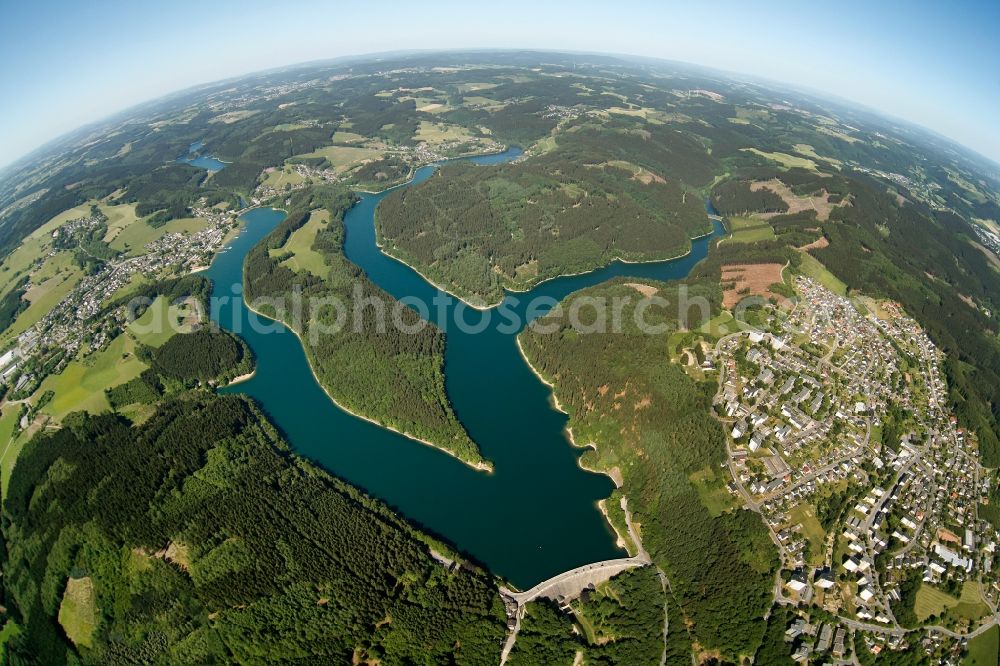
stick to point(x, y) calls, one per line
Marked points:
point(653, 424)
point(199, 538)
point(393, 377)
point(617, 190)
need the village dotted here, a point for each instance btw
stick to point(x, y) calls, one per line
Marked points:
point(74, 322)
point(840, 437)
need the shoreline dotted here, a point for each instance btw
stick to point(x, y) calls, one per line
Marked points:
point(242, 378)
point(569, 430)
point(387, 251)
point(482, 466)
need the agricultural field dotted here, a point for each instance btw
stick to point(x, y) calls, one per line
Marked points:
point(119, 218)
point(342, 137)
point(161, 321)
point(805, 514)
point(811, 267)
point(932, 601)
point(35, 246)
point(761, 232)
point(785, 160)
point(342, 158)
point(9, 448)
point(81, 384)
point(133, 238)
point(984, 650)
point(304, 258)
point(78, 611)
point(44, 296)
point(436, 133)
point(279, 177)
point(712, 491)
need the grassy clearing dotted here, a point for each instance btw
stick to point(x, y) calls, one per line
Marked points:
point(134, 238)
point(78, 611)
point(9, 449)
point(304, 258)
point(785, 160)
point(811, 267)
point(712, 491)
point(342, 158)
point(736, 223)
point(340, 137)
point(119, 217)
point(984, 649)
point(722, 324)
point(805, 515)
point(761, 232)
point(482, 103)
point(10, 629)
point(433, 133)
point(971, 605)
point(161, 321)
point(473, 87)
point(280, 177)
point(838, 134)
point(932, 601)
point(34, 247)
point(80, 386)
point(43, 297)
point(808, 151)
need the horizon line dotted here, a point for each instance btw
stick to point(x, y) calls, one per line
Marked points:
point(819, 94)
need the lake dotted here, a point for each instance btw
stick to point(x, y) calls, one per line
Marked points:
point(195, 158)
point(537, 514)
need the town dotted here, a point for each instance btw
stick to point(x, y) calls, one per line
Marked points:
point(840, 437)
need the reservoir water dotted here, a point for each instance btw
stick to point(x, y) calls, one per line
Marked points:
point(537, 514)
point(196, 159)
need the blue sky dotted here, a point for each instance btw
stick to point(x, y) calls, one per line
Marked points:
point(69, 63)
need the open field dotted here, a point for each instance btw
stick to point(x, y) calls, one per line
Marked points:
point(472, 87)
point(119, 217)
point(433, 133)
point(811, 267)
point(748, 280)
point(808, 151)
point(984, 649)
point(135, 237)
point(304, 258)
point(78, 611)
point(805, 514)
point(796, 204)
point(761, 232)
point(340, 137)
point(932, 601)
point(712, 491)
point(785, 160)
point(480, 102)
point(10, 629)
point(279, 177)
point(43, 297)
point(8, 448)
point(161, 321)
point(342, 158)
point(837, 134)
point(35, 246)
point(80, 386)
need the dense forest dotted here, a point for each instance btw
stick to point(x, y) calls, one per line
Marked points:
point(652, 422)
point(199, 538)
point(392, 375)
point(477, 230)
point(619, 623)
point(206, 355)
point(620, 156)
